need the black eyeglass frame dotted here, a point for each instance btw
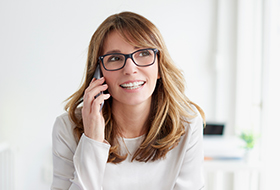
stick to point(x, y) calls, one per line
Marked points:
point(126, 56)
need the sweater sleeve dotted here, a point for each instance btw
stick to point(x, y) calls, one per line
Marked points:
point(191, 175)
point(76, 167)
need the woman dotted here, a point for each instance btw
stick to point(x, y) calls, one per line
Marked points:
point(148, 134)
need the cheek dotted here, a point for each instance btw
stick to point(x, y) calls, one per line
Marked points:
point(109, 80)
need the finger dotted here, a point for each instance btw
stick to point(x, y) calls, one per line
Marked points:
point(90, 96)
point(95, 89)
point(99, 79)
point(95, 82)
point(96, 105)
point(92, 80)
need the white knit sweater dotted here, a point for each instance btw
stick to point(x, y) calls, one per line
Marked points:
point(84, 165)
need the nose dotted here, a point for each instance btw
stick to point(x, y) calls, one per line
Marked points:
point(130, 67)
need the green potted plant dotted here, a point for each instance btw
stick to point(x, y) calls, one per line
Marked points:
point(249, 139)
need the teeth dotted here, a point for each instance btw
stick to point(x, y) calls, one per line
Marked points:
point(132, 85)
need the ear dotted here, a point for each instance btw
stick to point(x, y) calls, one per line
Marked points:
point(158, 77)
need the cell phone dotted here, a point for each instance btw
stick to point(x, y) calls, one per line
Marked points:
point(98, 74)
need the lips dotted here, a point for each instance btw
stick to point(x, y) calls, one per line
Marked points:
point(132, 85)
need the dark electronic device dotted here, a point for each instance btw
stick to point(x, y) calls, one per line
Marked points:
point(97, 74)
point(214, 129)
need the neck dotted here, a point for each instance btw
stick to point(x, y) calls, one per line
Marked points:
point(131, 119)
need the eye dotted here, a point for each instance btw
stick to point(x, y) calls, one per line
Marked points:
point(114, 58)
point(144, 53)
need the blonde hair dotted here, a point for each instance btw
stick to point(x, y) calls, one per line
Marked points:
point(170, 109)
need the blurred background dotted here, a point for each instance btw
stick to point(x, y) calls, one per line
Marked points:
point(227, 49)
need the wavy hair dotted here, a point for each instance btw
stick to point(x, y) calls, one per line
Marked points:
point(170, 109)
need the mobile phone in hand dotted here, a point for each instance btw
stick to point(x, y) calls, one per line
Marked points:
point(97, 74)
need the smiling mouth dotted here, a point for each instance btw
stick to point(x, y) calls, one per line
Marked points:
point(132, 85)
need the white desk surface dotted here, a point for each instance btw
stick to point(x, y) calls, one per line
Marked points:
point(230, 165)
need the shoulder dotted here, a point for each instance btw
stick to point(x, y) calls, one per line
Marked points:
point(193, 130)
point(63, 129)
point(63, 123)
point(195, 121)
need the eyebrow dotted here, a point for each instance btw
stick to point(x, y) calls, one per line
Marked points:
point(113, 51)
point(118, 51)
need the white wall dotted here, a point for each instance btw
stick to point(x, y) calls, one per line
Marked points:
point(271, 94)
point(43, 47)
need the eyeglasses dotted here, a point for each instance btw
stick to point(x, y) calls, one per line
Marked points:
point(141, 58)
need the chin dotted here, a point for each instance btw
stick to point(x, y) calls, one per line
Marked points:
point(134, 101)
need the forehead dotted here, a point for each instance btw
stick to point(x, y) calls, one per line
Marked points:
point(115, 41)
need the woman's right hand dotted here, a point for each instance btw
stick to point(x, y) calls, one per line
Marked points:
point(93, 120)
